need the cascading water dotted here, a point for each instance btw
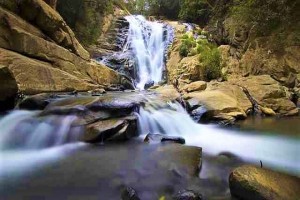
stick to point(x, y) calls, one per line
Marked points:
point(275, 151)
point(146, 40)
point(146, 48)
point(25, 130)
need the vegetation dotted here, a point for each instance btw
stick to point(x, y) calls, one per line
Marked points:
point(85, 17)
point(209, 55)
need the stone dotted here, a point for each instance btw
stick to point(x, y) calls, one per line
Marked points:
point(218, 105)
point(267, 111)
point(111, 130)
point(8, 88)
point(50, 22)
point(168, 92)
point(187, 195)
point(34, 76)
point(129, 193)
point(158, 138)
point(195, 86)
point(188, 159)
point(268, 93)
point(251, 182)
point(37, 102)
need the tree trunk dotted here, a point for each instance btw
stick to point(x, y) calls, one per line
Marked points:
point(52, 3)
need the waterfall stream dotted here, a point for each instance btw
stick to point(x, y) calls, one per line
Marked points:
point(26, 139)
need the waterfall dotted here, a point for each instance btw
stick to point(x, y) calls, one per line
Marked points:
point(26, 130)
point(147, 41)
point(275, 151)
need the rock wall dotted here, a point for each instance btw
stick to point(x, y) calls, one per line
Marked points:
point(42, 54)
point(255, 82)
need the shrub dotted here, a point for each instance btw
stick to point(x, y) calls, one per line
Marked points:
point(211, 61)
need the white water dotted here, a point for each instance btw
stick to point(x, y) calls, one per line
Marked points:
point(274, 151)
point(146, 40)
point(25, 130)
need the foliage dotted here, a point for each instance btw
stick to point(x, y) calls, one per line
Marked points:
point(196, 11)
point(209, 55)
point(211, 61)
point(84, 17)
point(264, 15)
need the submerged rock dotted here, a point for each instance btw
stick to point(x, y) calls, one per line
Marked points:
point(187, 195)
point(157, 138)
point(250, 182)
point(129, 193)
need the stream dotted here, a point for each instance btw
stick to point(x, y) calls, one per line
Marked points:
point(43, 157)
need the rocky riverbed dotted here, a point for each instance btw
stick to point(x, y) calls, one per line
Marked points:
point(72, 127)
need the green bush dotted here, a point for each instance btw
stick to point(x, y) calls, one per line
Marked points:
point(211, 61)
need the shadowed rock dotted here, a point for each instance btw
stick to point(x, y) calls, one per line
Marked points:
point(250, 182)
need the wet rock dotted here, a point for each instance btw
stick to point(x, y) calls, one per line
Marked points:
point(149, 85)
point(184, 160)
point(111, 130)
point(157, 138)
point(8, 89)
point(129, 193)
point(187, 195)
point(250, 182)
point(37, 102)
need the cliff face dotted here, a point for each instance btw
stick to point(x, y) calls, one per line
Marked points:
point(42, 54)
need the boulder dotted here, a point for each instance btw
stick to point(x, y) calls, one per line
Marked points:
point(19, 36)
point(168, 92)
point(8, 88)
point(195, 86)
point(250, 182)
point(50, 22)
point(218, 105)
point(158, 138)
point(179, 159)
point(268, 93)
point(34, 76)
point(111, 130)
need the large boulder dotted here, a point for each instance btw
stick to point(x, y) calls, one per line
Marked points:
point(38, 46)
point(268, 93)
point(250, 182)
point(8, 88)
point(214, 105)
point(33, 76)
point(50, 22)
